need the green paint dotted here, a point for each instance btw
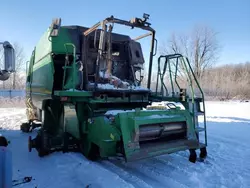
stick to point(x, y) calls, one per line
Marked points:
point(82, 116)
point(59, 41)
point(73, 93)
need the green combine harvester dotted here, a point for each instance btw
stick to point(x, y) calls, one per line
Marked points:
point(84, 92)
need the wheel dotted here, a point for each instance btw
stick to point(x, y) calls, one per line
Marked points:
point(42, 152)
point(25, 127)
point(94, 153)
point(39, 143)
point(3, 141)
point(192, 156)
point(203, 153)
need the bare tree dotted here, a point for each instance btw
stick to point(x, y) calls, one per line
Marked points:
point(20, 65)
point(200, 46)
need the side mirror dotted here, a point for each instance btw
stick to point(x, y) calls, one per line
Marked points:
point(55, 27)
point(9, 57)
point(9, 61)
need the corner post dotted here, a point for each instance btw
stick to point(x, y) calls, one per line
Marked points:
point(151, 59)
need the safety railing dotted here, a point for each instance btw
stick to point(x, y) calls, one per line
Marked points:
point(189, 74)
point(72, 66)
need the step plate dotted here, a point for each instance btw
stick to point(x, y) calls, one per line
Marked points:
point(160, 148)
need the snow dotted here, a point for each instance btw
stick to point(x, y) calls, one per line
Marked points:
point(161, 116)
point(106, 86)
point(76, 90)
point(112, 87)
point(115, 112)
point(156, 116)
point(227, 165)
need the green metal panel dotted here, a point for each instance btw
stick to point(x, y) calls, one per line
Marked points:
point(73, 93)
point(42, 79)
point(131, 121)
point(104, 134)
point(43, 47)
point(71, 121)
point(59, 41)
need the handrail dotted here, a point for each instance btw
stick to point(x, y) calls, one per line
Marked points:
point(189, 73)
point(189, 77)
point(161, 75)
point(171, 80)
point(190, 85)
point(73, 64)
point(176, 68)
point(203, 101)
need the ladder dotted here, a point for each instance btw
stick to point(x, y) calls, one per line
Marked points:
point(196, 105)
point(198, 110)
point(70, 67)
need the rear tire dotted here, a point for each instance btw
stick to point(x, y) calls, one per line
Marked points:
point(193, 156)
point(94, 153)
point(203, 153)
point(25, 127)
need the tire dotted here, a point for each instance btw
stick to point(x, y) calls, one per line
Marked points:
point(3, 141)
point(25, 127)
point(94, 153)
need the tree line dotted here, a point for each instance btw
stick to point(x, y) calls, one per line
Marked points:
point(202, 47)
point(227, 81)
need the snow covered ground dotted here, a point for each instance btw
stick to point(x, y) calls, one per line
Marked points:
point(227, 165)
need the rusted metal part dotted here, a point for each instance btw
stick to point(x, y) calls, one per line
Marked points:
point(142, 36)
point(151, 60)
point(109, 54)
point(55, 26)
point(100, 50)
point(136, 136)
point(119, 21)
point(130, 23)
point(93, 28)
point(134, 23)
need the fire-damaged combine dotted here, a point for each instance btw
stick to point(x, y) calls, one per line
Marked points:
point(85, 93)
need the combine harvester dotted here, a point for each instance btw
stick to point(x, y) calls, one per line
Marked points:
point(84, 90)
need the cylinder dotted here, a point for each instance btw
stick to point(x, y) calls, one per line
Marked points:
point(155, 131)
point(5, 167)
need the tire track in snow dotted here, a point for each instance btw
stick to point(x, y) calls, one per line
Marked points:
point(158, 174)
point(228, 164)
point(171, 170)
point(144, 170)
point(127, 175)
point(100, 176)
